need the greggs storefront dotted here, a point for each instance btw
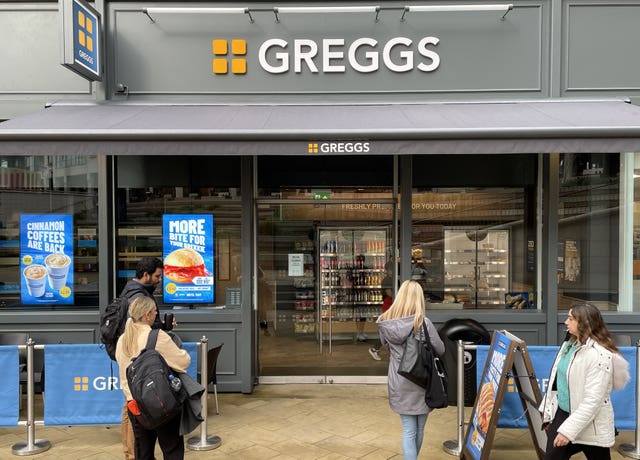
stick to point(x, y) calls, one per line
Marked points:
point(310, 156)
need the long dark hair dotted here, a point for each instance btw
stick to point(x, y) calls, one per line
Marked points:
point(591, 325)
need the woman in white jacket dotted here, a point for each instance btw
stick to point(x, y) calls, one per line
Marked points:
point(577, 409)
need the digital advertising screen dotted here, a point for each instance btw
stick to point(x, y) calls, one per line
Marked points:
point(187, 248)
point(46, 259)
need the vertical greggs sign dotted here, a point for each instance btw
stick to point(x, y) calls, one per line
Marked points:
point(187, 241)
point(81, 38)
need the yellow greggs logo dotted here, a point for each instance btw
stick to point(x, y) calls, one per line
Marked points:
point(85, 30)
point(81, 384)
point(220, 49)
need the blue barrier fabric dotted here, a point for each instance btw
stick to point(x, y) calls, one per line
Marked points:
point(82, 385)
point(10, 400)
point(512, 414)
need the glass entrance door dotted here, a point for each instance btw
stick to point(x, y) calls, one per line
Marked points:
point(319, 278)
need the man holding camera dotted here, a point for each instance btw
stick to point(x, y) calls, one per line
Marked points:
point(148, 276)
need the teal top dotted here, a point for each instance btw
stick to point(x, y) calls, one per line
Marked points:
point(562, 383)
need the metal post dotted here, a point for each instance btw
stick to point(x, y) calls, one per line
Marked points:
point(32, 446)
point(630, 450)
point(455, 447)
point(204, 442)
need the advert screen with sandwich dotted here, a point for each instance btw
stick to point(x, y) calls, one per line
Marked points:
point(187, 248)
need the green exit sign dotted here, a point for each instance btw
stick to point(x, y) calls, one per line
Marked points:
point(321, 196)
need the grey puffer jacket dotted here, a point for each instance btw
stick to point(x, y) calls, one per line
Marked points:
point(405, 397)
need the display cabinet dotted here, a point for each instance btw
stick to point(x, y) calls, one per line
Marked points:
point(293, 255)
point(476, 267)
point(351, 269)
point(304, 304)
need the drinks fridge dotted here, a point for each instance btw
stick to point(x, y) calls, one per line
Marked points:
point(351, 269)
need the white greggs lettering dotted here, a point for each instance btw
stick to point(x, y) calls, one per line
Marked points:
point(342, 147)
point(333, 55)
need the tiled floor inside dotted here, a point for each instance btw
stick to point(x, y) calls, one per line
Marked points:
point(291, 422)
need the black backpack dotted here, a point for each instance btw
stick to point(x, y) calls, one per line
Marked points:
point(148, 376)
point(112, 322)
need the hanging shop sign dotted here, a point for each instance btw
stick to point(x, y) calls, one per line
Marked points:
point(46, 259)
point(81, 38)
point(187, 241)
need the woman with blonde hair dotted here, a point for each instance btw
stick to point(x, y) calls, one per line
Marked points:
point(142, 314)
point(404, 317)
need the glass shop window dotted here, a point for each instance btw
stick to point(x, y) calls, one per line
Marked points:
point(195, 190)
point(48, 232)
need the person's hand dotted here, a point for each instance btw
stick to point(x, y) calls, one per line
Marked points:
point(561, 440)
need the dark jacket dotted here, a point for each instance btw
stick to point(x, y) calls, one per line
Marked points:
point(192, 407)
point(134, 289)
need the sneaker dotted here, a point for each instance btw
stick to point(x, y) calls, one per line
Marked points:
point(362, 337)
point(374, 354)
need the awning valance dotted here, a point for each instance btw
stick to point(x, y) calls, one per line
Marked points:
point(427, 128)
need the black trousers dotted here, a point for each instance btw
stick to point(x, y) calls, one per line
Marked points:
point(565, 452)
point(167, 435)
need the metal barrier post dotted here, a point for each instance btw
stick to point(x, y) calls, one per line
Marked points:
point(32, 446)
point(204, 442)
point(630, 450)
point(455, 447)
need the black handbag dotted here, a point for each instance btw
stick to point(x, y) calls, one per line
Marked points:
point(423, 367)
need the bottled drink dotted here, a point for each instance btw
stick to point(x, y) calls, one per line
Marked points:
point(175, 383)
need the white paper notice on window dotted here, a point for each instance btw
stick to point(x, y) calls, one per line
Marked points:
point(296, 264)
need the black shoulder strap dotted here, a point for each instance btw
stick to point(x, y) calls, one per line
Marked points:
point(153, 338)
point(427, 340)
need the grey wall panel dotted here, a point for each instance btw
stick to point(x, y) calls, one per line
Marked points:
point(600, 47)
point(479, 53)
point(30, 60)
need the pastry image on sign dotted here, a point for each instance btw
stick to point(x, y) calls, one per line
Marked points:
point(183, 265)
point(486, 401)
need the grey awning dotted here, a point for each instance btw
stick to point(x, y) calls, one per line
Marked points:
point(443, 128)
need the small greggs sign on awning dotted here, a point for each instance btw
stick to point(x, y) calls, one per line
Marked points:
point(81, 38)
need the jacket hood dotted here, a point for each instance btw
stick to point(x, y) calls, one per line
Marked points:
point(134, 287)
point(620, 372)
point(619, 368)
point(396, 330)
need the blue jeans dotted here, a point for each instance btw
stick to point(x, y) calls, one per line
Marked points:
point(412, 433)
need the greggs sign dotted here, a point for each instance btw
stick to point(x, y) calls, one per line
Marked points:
point(330, 55)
